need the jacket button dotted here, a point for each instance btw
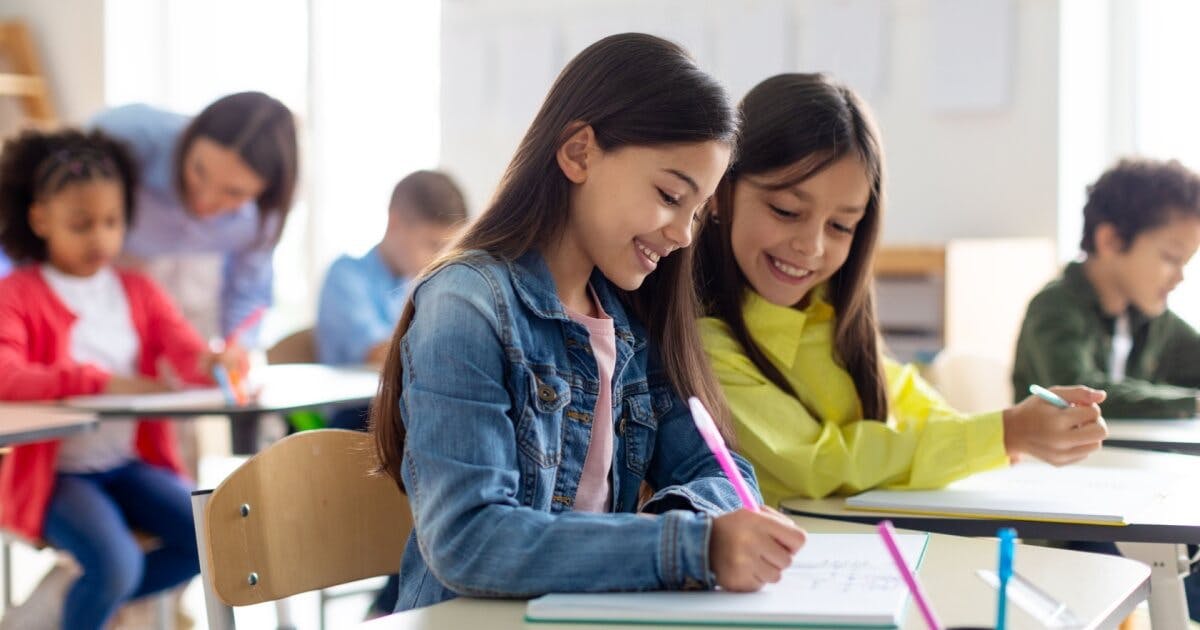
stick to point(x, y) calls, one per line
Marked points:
point(546, 393)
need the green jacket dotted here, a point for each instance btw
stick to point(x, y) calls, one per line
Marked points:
point(1066, 339)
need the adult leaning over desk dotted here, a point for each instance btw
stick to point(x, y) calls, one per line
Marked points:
point(220, 183)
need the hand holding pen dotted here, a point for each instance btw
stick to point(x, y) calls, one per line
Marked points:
point(1059, 426)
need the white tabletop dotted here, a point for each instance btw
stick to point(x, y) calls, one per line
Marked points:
point(33, 423)
point(1175, 434)
point(1101, 590)
point(280, 388)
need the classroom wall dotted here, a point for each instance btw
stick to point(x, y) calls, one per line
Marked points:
point(70, 41)
point(989, 173)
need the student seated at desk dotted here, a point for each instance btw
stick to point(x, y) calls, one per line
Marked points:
point(71, 324)
point(535, 380)
point(1105, 321)
point(784, 271)
point(361, 298)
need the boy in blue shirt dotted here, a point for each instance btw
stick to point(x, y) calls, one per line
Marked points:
point(362, 298)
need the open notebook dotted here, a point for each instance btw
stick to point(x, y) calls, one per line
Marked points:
point(1032, 491)
point(835, 580)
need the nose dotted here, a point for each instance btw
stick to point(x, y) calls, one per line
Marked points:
point(809, 241)
point(679, 231)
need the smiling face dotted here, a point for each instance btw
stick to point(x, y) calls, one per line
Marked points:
point(788, 241)
point(634, 205)
point(217, 180)
point(83, 225)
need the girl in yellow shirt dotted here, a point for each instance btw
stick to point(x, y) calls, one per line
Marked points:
point(784, 269)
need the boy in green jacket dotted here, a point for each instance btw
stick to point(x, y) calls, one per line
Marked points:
point(1105, 322)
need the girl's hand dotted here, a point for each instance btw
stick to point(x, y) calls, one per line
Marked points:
point(134, 385)
point(1056, 436)
point(750, 549)
point(234, 358)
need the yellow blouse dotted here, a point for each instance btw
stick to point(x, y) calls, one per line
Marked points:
point(924, 443)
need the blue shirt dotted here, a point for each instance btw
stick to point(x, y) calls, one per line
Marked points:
point(163, 226)
point(499, 388)
point(361, 301)
point(5, 265)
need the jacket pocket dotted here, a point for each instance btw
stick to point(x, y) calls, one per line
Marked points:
point(539, 430)
point(638, 427)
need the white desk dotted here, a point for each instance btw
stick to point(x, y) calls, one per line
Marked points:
point(1101, 590)
point(1155, 535)
point(33, 423)
point(1181, 436)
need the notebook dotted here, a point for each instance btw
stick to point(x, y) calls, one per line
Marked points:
point(843, 580)
point(1032, 491)
point(189, 399)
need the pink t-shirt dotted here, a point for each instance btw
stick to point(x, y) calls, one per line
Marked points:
point(594, 488)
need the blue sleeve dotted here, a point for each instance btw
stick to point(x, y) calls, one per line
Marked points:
point(348, 324)
point(148, 131)
point(683, 471)
point(246, 282)
point(462, 474)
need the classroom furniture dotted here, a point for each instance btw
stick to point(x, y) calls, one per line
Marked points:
point(298, 347)
point(966, 294)
point(306, 513)
point(22, 75)
point(33, 423)
point(1156, 534)
point(1180, 436)
point(1101, 590)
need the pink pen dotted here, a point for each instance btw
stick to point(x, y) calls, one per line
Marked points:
point(716, 444)
point(888, 534)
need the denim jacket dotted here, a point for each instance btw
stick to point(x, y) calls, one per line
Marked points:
point(499, 388)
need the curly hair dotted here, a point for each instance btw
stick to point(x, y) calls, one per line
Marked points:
point(1138, 195)
point(36, 164)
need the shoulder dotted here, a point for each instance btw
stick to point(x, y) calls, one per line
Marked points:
point(139, 116)
point(718, 337)
point(21, 284)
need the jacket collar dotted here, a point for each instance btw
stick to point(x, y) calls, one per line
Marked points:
point(778, 329)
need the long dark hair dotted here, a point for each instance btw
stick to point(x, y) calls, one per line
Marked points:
point(262, 131)
point(808, 122)
point(632, 89)
point(38, 164)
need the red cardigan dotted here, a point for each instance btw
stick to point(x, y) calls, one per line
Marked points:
point(35, 364)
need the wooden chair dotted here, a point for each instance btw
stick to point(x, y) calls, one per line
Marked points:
point(25, 80)
point(298, 347)
point(303, 514)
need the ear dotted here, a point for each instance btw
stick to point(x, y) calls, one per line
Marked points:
point(1108, 240)
point(38, 219)
point(573, 154)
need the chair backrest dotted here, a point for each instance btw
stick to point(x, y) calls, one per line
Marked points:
point(298, 347)
point(972, 383)
point(304, 514)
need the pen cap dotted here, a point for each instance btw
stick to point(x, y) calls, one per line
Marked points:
point(1007, 537)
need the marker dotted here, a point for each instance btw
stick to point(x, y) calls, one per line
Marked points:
point(716, 444)
point(221, 376)
point(888, 534)
point(1004, 572)
point(1048, 396)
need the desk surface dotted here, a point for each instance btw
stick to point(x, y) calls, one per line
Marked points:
point(283, 388)
point(1101, 590)
point(1171, 515)
point(1175, 435)
point(33, 423)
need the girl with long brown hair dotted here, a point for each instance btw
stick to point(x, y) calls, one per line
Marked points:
point(784, 273)
point(534, 382)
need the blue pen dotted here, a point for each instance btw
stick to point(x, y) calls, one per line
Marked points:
point(1007, 537)
point(221, 376)
point(1048, 396)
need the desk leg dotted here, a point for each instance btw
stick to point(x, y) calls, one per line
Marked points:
point(243, 433)
point(1168, 566)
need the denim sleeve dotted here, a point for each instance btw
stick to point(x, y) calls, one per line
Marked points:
point(462, 472)
point(348, 324)
point(684, 472)
point(246, 282)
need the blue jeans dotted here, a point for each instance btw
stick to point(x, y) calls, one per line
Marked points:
point(93, 516)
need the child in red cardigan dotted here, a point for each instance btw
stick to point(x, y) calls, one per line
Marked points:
point(72, 324)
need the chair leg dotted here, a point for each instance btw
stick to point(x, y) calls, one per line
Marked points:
point(220, 614)
point(164, 610)
point(283, 614)
point(6, 569)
